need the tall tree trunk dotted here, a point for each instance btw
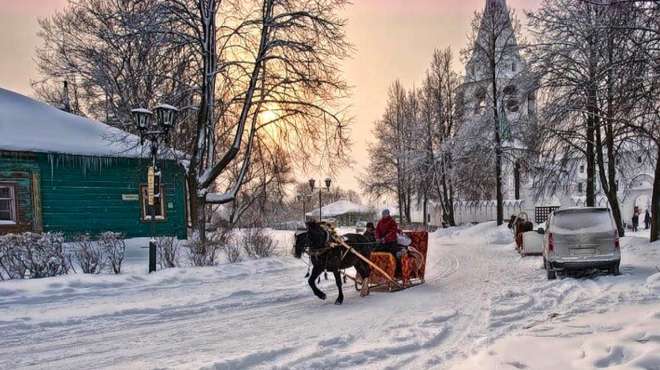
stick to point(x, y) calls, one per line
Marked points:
point(425, 211)
point(516, 178)
point(655, 206)
point(607, 179)
point(591, 160)
point(498, 146)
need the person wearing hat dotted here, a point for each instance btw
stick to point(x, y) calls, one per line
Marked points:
point(370, 232)
point(386, 235)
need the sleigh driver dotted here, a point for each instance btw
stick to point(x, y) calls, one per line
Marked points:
point(387, 235)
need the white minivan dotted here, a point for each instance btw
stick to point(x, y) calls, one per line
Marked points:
point(580, 239)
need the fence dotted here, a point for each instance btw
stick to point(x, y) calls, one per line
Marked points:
point(485, 210)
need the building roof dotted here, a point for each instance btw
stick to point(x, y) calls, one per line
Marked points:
point(340, 207)
point(33, 126)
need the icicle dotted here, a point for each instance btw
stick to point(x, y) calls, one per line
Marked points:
point(318, 281)
point(325, 275)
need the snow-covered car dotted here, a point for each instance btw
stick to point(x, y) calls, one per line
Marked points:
point(532, 243)
point(581, 239)
point(360, 227)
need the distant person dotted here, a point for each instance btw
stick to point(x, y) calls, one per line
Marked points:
point(370, 232)
point(635, 220)
point(647, 219)
point(511, 221)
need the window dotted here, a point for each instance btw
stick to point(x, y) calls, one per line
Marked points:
point(511, 96)
point(581, 168)
point(579, 187)
point(480, 104)
point(159, 205)
point(7, 204)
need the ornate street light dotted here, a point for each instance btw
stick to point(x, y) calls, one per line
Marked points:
point(312, 183)
point(155, 132)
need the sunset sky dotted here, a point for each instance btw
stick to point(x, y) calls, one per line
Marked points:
point(393, 39)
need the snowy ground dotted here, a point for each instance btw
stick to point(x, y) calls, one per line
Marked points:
point(483, 307)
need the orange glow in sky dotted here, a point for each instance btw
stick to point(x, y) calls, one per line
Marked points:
point(393, 39)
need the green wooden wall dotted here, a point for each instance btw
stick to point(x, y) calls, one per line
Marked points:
point(81, 194)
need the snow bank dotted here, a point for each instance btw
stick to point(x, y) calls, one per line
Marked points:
point(29, 125)
point(482, 307)
point(623, 338)
point(487, 232)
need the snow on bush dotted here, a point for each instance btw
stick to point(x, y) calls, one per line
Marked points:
point(89, 254)
point(168, 251)
point(257, 243)
point(206, 253)
point(33, 255)
point(114, 247)
point(233, 253)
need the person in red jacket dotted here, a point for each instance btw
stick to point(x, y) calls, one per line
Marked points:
point(386, 236)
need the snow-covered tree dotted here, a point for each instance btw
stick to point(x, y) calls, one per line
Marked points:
point(242, 71)
point(493, 65)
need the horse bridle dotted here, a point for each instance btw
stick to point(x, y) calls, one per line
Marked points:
point(317, 252)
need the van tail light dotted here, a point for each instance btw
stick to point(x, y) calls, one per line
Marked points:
point(551, 242)
point(617, 244)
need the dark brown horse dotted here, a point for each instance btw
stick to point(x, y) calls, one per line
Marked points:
point(325, 257)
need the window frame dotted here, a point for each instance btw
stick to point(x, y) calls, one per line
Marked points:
point(13, 203)
point(144, 207)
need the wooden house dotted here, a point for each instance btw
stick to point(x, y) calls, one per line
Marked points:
point(61, 172)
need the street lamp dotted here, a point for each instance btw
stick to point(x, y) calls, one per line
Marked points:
point(155, 132)
point(303, 197)
point(312, 183)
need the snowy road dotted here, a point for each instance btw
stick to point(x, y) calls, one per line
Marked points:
point(261, 314)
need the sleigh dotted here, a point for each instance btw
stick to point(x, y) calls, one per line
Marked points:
point(383, 266)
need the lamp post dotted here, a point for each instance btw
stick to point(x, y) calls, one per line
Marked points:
point(303, 197)
point(312, 183)
point(156, 132)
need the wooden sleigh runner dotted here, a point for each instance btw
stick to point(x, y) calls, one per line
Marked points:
point(383, 266)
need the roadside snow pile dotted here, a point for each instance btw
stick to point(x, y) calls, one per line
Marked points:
point(487, 232)
point(623, 338)
point(653, 283)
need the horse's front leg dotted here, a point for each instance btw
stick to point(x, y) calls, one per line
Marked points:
point(363, 270)
point(316, 272)
point(340, 298)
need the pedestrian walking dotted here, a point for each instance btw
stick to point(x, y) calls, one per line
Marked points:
point(635, 220)
point(647, 219)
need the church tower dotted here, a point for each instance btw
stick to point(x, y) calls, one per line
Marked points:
point(497, 74)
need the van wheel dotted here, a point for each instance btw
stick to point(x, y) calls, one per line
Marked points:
point(614, 270)
point(552, 275)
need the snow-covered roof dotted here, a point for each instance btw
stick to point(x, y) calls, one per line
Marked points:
point(30, 125)
point(340, 207)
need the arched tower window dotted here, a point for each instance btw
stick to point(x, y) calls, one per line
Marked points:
point(511, 98)
point(480, 101)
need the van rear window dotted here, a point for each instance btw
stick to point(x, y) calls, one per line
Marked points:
point(587, 220)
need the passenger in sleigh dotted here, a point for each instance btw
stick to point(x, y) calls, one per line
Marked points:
point(386, 236)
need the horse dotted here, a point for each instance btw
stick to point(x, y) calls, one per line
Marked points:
point(325, 257)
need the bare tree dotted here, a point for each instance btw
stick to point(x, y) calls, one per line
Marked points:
point(439, 109)
point(390, 164)
point(227, 63)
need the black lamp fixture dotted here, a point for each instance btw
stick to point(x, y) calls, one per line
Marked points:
point(312, 183)
point(155, 131)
